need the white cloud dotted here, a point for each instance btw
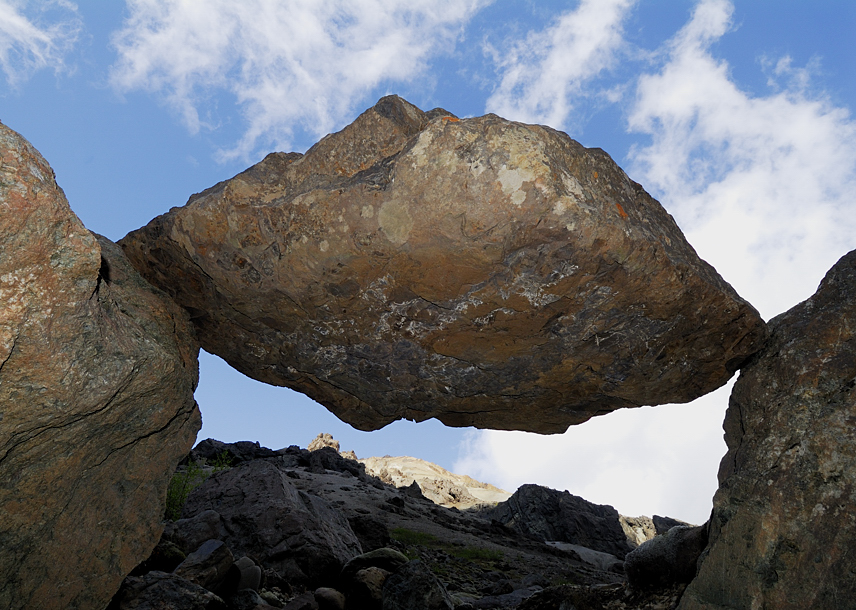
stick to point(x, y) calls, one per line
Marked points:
point(542, 74)
point(302, 64)
point(653, 460)
point(37, 38)
point(761, 185)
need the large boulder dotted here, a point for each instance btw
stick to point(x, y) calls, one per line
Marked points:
point(97, 372)
point(560, 516)
point(480, 271)
point(301, 536)
point(666, 559)
point(162, 591)
point(783, 530)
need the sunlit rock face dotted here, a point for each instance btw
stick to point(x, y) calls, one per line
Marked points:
point(97, 371)
point(783, 529)
point(480, 271)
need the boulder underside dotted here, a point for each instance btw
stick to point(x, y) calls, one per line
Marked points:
point(479, 271)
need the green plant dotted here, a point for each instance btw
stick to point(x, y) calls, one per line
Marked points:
point(222, 461)
point(180, 486)
point(406, 536)
point(186, 480)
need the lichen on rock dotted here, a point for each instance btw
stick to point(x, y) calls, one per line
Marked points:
point(479, 271)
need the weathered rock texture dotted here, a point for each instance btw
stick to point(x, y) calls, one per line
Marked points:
point(783, 529)
point(262, 514)
point(560, 516)
point(97, 372)
point(479, 271)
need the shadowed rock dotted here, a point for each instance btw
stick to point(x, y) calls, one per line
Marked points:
point(480, 271)
point(666, 559)
point(782, 532)
point(97, 371)
point(262, 514)
point(559, 516)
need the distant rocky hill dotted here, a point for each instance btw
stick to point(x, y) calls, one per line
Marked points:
point(436, 483)
point(315, 529)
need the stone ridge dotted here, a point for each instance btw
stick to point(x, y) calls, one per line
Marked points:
point(479, 271)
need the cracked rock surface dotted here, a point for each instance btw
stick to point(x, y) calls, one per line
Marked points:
point(783, 530)
point(479, 271)
point(97, 372)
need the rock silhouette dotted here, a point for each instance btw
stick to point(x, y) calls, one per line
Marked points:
point(97, 372)
point(483, 272)
point(782, 533)
point(560, 516)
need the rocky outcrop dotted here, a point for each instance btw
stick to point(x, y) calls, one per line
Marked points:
point(782, 532)
point(325, 439)
point(480, 271)
point(642, 529)
point(211, 451)
point(562, 517)
point(97, 372)
point(301, 536)
point(435, 483)
point(249, 509)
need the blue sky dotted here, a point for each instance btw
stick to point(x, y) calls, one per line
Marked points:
point(736, 115)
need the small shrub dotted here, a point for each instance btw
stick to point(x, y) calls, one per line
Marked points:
point(222, 461)
point(180, 486)
point(185, 481)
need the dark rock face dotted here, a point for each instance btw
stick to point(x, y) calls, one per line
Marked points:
point(262, 514)
point(159, 590)
point(558, 515)
point(666, 559)
point(208, 565)
point(480, 271)
point(97, 372)
point(783, 531)
point(414, 587)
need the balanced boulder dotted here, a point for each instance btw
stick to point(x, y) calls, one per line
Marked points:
point(783, 530)
point(97, 372)
point(479, 271)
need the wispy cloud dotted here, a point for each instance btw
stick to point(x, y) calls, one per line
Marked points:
point(32, 38)
point(298, 65)
point(545, 74)
point(762, 185)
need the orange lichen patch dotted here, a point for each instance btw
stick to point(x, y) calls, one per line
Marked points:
point(451, 118)
point(621, 211)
